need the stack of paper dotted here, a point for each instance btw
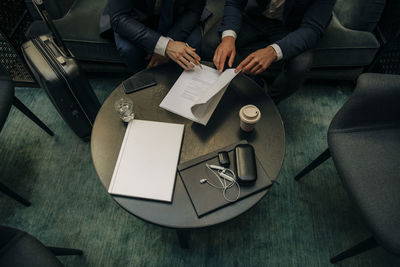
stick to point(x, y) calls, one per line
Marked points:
point(196, 93)
point(147, 161)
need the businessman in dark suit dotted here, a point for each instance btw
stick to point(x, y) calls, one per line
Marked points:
point(150, 32)
point(279, 32)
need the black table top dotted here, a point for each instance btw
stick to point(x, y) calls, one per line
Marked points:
point(222, 130)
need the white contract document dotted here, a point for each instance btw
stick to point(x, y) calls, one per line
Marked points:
point(196, 93)
point(147, 161)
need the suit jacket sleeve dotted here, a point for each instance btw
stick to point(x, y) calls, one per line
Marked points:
point(125, 20)
point(311, 29)
point(232, 19)
point(190, 18)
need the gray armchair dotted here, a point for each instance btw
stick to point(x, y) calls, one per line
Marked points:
point(7, 99)
point(364, 143)
point(19, 248)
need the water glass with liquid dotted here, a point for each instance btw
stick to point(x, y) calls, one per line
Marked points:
point(124, 107)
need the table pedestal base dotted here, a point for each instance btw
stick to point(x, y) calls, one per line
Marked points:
point(183, 237)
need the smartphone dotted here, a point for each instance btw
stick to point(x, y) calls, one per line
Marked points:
point(138, 82)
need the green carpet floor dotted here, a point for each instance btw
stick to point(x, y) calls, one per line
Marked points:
point(297, 224)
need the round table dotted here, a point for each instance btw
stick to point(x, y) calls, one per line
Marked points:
point(222, 130)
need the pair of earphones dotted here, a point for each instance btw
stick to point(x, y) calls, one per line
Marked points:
point(226, 177)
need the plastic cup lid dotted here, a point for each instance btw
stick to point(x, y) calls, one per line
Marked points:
point(250, 114)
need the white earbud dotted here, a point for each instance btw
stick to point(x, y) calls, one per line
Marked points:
point(216, 167)
point(220, 173)
point(227, 177)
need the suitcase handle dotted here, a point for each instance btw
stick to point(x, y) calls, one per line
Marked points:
point(39, 5)
point(57, 51)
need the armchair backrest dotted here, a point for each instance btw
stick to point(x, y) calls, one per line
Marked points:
point(56, 8)
point(375, 103)
point(361, 15)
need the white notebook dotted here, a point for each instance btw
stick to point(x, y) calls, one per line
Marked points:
point(147, 161)
point(197, 92)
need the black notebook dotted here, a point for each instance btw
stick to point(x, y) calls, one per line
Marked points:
point(205, 198)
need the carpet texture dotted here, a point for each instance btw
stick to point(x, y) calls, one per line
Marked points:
point(297, 224)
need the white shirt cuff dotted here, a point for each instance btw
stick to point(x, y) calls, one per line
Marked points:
point(229, 33)
point(161, 45)
point(278, 51)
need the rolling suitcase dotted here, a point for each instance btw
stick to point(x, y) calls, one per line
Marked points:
point(58, 73)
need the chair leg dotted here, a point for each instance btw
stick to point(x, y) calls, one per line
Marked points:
point(12, 194)
point(365, 245)
point(19, 105)
point(65, 251)
point(316, 162)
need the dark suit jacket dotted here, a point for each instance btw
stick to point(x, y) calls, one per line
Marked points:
point(132, 19)
point(306, 18)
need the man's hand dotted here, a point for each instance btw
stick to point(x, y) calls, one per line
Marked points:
point(157, 60)
point(225, 49)
point(258, 61)
point(182, 54)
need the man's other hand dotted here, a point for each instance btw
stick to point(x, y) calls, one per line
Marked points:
point(182, 54)
point(156, 60)
point(225, 49)
point(258, 61)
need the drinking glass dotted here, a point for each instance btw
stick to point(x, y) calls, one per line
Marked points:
point(124, 107)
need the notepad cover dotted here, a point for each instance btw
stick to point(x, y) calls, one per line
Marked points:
point(205, 198)
point(148, 159)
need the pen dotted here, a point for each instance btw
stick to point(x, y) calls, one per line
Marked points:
point(197, 62)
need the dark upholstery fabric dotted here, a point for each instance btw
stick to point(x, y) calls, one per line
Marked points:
point(374, 103)
point(364, 140)
point(18, 249)
point(342, 47)
point(390, 21)
point(361, 15)
point(6, 96)
point(55, 8)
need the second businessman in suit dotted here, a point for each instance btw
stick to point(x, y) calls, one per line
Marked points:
point(150, 32)
point(270, 31)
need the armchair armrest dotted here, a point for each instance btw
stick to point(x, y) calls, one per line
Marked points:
point(344, 47)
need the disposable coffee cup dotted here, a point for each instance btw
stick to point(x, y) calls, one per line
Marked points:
point(249, 116)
